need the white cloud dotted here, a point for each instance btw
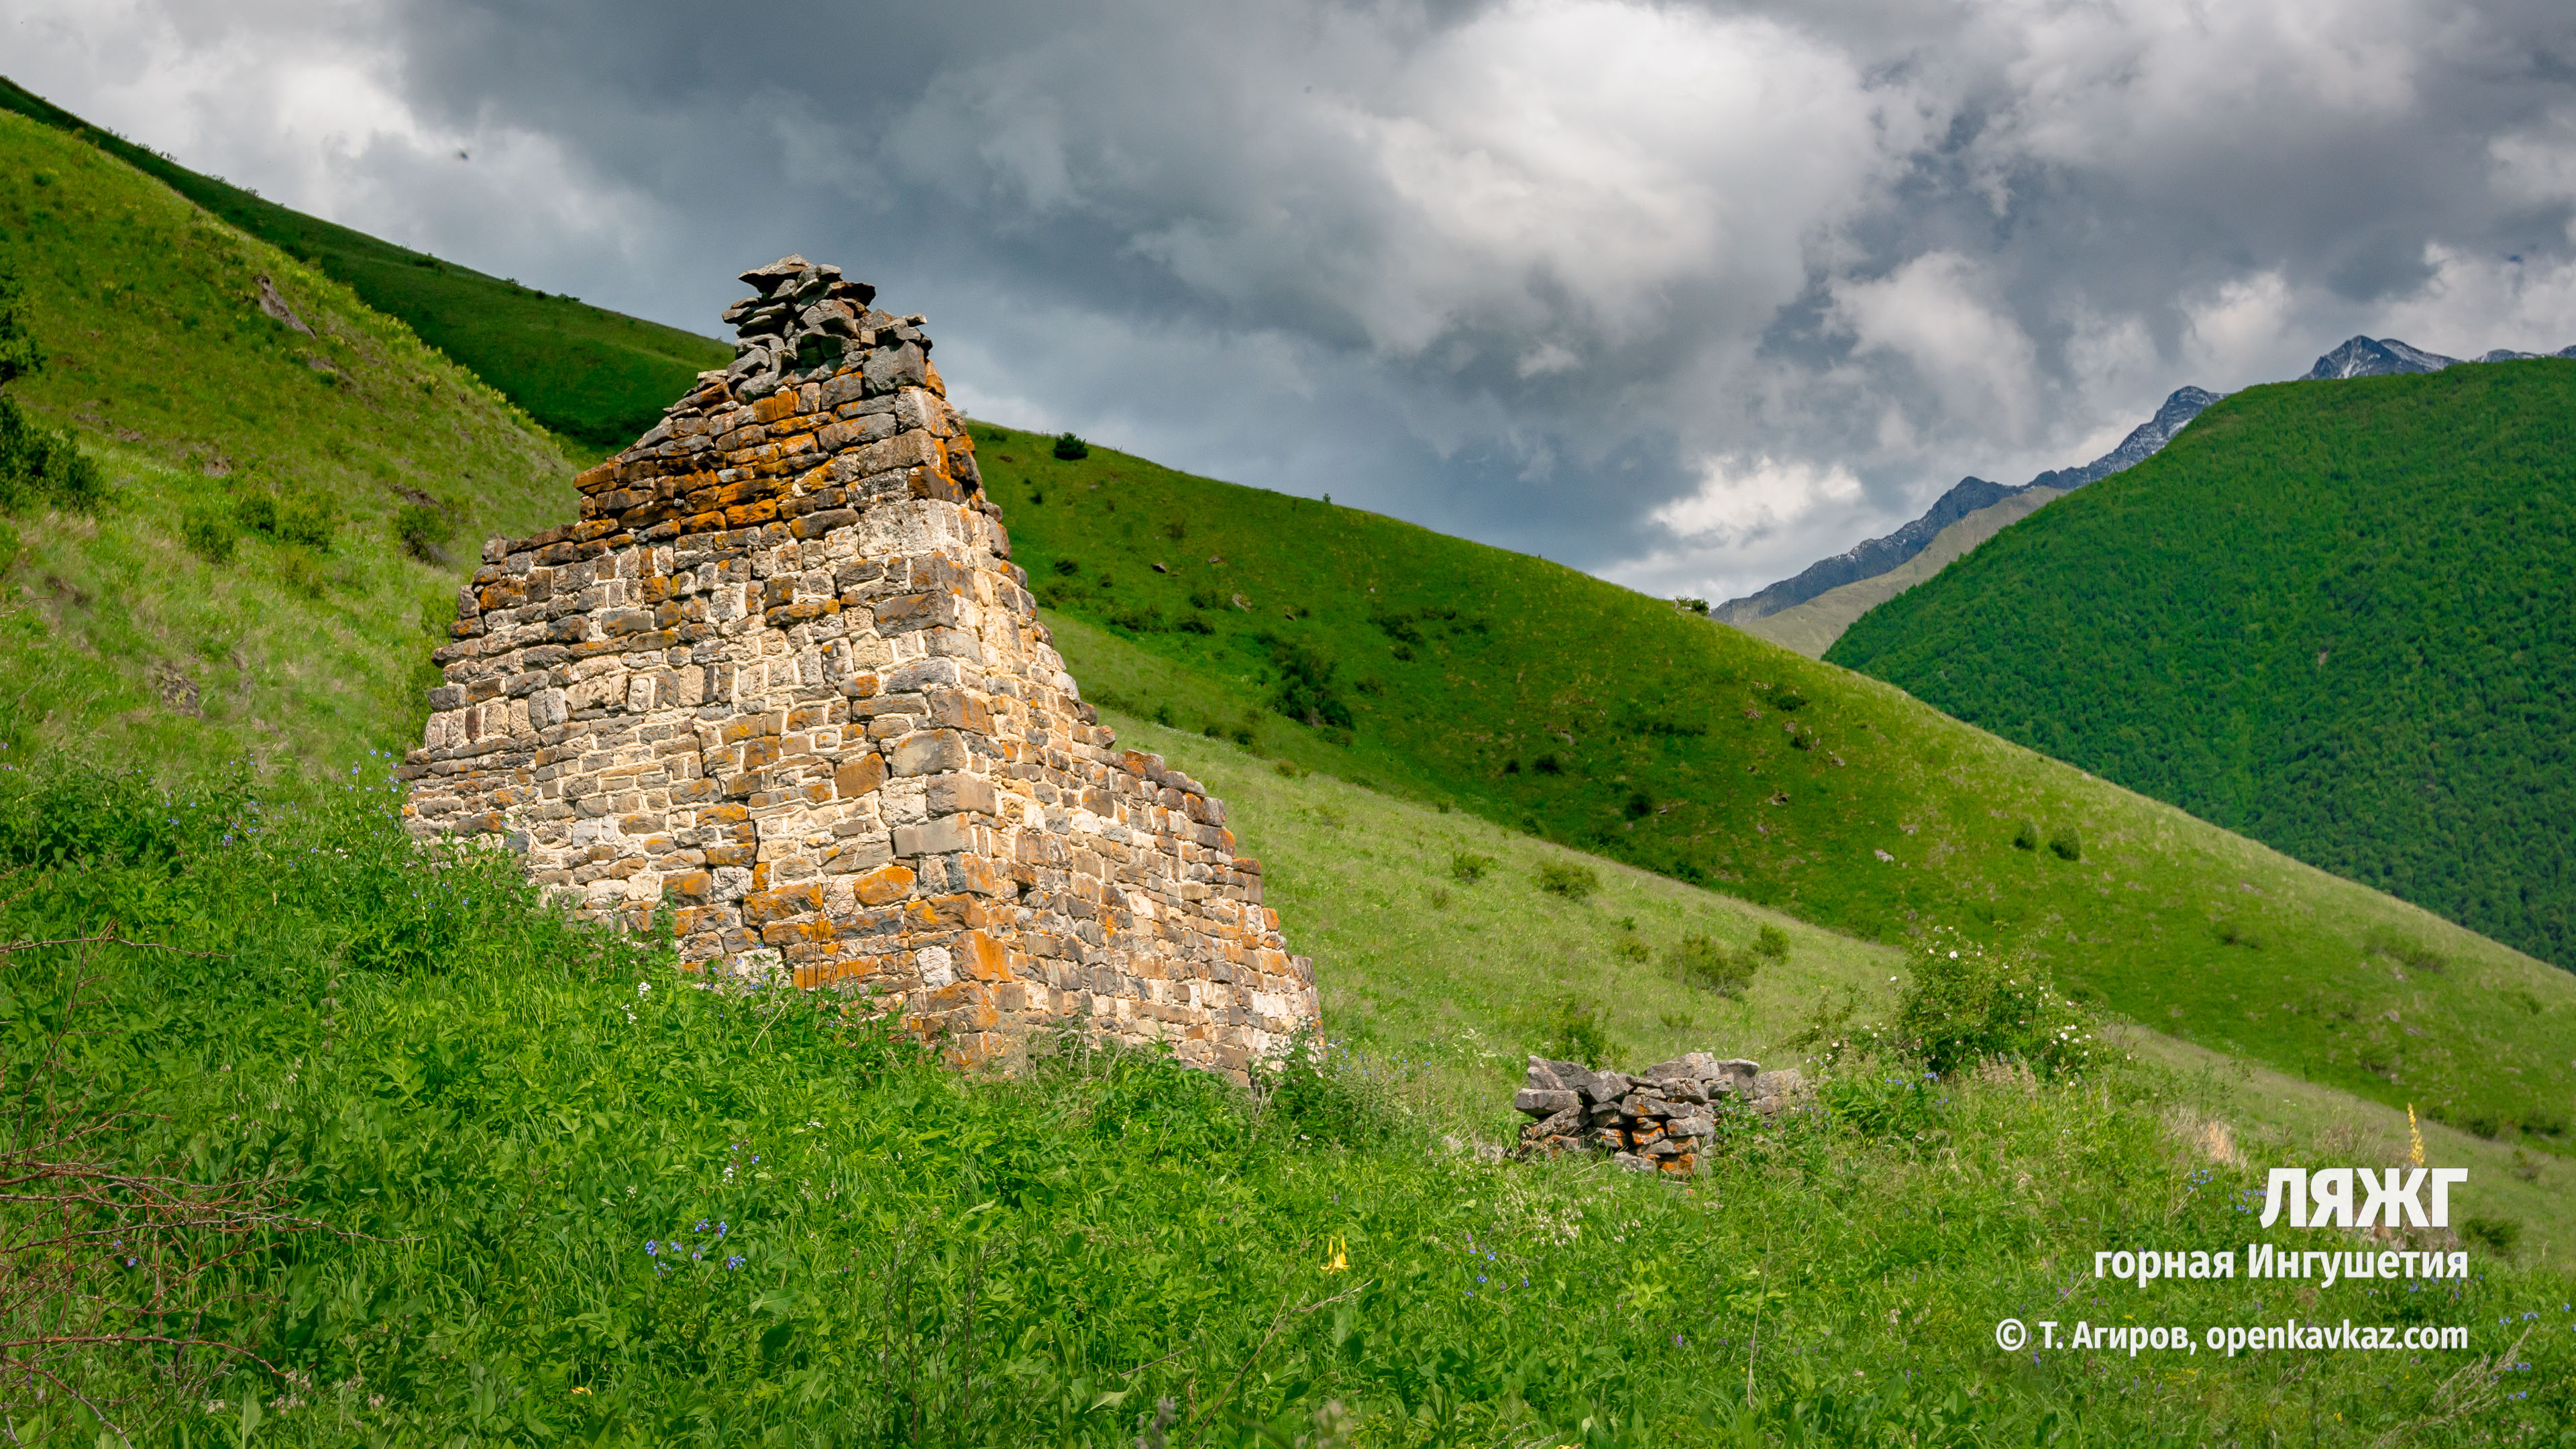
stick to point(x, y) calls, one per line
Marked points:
point(1740, 497)
point(1938, 313)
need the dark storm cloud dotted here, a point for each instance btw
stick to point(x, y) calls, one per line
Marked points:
point(1686, 295)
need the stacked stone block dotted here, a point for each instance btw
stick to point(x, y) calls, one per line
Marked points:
point(1661, 1119)
point(782, 679)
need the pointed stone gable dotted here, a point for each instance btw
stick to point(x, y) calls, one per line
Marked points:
point(783, 677)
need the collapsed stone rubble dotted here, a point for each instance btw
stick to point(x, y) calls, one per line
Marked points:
point(1661, 1119)
point(782, 680)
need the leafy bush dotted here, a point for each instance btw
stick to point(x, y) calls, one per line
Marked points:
point(1700, 962)
point(307, 523)
point(423, 531)
point(209, 534)
point(1316, 1091)
point(1071, 449)
point(38, 465)
point(2066, 843)
point(2498, 1235)
point(1306, 691)
point(2026, 836)
point(1771, 942)
point(258, 513)
point(2405, 950)
point(1574, 882)
point(1572, 1031)
point(1466, 867)
point(1966, 1005)
point(1548, 764)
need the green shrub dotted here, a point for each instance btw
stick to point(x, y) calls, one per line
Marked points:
point(2499, 1235)
point(2405, 950)
point(1572, 1031)
point(258, 514)
point(209, 534)
point(1070, 448)
point(1700, 962)
point(2066, 843)
point(1306, 691)
point(1466, 867)
point(1966, 1005)
point(307, 523)
point(2026, 836)
point(423, 531)
point(39, 466)
point(1640, 805)
point(42, 467)
point(1574, 882)
point(1771, 942)
point(1548, 764)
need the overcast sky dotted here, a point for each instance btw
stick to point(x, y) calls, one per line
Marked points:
point(1684, 295)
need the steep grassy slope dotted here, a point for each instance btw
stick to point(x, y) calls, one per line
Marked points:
point(1812, 627)
point(1453, 980)
point(594, 375)
point(300, 621)
point(2336, 616)
point(1556, 703)
point(535, 1189)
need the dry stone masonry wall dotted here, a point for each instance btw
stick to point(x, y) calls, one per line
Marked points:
point(782, 676)
point(1661, 1119)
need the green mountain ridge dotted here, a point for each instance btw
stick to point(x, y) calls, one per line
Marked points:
point(596, 376)
point(2335, 616)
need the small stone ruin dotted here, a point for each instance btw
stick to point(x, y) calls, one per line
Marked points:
point(782, 682)
point(1659, 1120)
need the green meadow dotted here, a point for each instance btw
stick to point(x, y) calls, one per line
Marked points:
point(321, 1139)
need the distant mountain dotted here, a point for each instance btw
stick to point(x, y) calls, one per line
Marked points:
point(1873, 557)
point(1870, 557)
point(2359, 357)
point(2362, 357)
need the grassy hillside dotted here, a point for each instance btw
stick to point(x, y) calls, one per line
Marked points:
point(337, 483)
point(1812, 627)
point(596, 376)
point(1437, 669)
point(1452, 979)
point(1575, 710)
point(483, 1176)
point(2335, 617)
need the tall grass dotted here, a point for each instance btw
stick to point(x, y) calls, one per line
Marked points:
point(556, 1189)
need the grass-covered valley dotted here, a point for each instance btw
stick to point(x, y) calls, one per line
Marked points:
point(341, 1142)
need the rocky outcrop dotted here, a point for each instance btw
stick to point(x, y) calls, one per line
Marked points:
point(782, 681)
point(1658, 1120)
point(2383, 357)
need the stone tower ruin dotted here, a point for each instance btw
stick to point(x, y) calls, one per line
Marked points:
point(783, 677)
